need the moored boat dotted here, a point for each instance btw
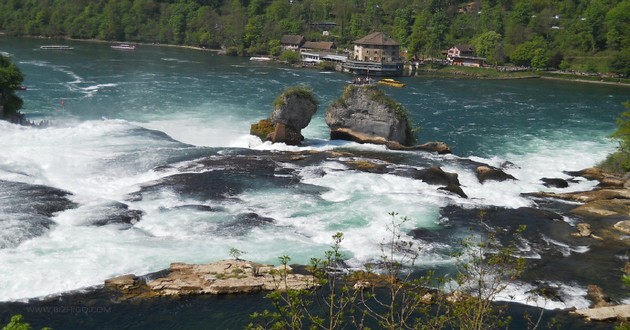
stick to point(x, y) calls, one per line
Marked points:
point(56, 47)
point(124, 46)
point(391, 82)
point(260, 58)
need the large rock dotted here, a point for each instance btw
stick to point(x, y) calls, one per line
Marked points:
point(294, 108)
point(609, 313)
point(365, 114)
point(487, 173)
point(221, 277)
point(293, 111)
point(436, 176)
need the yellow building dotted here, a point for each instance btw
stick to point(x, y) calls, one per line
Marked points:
point(375, 54)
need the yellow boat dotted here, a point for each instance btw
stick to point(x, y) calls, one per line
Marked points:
point(391, 82)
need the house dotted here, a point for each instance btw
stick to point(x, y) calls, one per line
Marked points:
point(292, 42)
point(319, 46)
point(460, 50)
point(375, 54)
point(464, 55)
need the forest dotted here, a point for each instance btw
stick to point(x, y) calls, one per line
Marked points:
point(578, 35)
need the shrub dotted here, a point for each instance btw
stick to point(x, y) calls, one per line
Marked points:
point(290, 57)
point(619, 161)
point(299, 91)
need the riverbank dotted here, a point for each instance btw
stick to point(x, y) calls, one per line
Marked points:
point(426, 71)
point(489, 73)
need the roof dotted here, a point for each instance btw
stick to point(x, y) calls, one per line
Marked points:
point(292, 39)
point(323, 45)
point(464, 48)
point(377, 38)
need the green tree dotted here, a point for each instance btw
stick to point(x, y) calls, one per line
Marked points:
point(619, 161)
point(618, 22)
point(11, 79)
point(403, 25)
point(290, 56)
point(487, 44)
point(525, 52)
point(620, 63)
point(419, 34)
point(540, 60)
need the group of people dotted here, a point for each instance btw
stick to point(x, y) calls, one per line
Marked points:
point(361, 81)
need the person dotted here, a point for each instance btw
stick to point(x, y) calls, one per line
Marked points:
point(63, 104)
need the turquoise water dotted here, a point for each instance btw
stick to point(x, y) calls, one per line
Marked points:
point(164, 132)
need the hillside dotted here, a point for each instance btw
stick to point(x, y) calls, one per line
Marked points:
point(580, 35)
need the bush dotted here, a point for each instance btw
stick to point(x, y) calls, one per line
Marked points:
point(300, 91)
point(290, 57)
point(619, 161)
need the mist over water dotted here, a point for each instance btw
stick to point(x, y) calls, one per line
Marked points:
point(150, 162)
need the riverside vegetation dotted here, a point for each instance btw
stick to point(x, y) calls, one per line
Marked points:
point(388, 294)
point(571, 35)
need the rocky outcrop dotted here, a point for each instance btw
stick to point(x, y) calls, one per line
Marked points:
point(487, 173)
point(436, 176)
point(221, 277)
point(605, 179)
point(365, 114)
point(293, 111)
point(609, 313)
point(555, 182)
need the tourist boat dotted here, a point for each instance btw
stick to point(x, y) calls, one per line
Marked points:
point(391, 82)
point(56, 47)
point(124, 46)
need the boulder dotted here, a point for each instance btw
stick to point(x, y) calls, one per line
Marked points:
point(434, 175)
point(485, 173)
point(555, 182)
point(294, 108)
point(605, 179)
point(623, 226)
point(609, 313)
point(365, 114)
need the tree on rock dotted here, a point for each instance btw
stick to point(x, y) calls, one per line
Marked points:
point(11, 79)
point(293, 110)
point(365, 114)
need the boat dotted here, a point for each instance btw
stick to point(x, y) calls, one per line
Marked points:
point(56, 47)
point(124, 46)
point(391, 82)
point(260, 58)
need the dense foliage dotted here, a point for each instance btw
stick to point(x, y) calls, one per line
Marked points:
point(619, 161)
point(585, 35)
point(11, 78)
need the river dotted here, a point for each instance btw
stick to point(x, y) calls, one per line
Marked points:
point(149, 161)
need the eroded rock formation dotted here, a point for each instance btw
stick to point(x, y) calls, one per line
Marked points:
point(293, 111)
point(221, 277)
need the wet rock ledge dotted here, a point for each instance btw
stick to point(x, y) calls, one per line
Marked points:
point(221, 277)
